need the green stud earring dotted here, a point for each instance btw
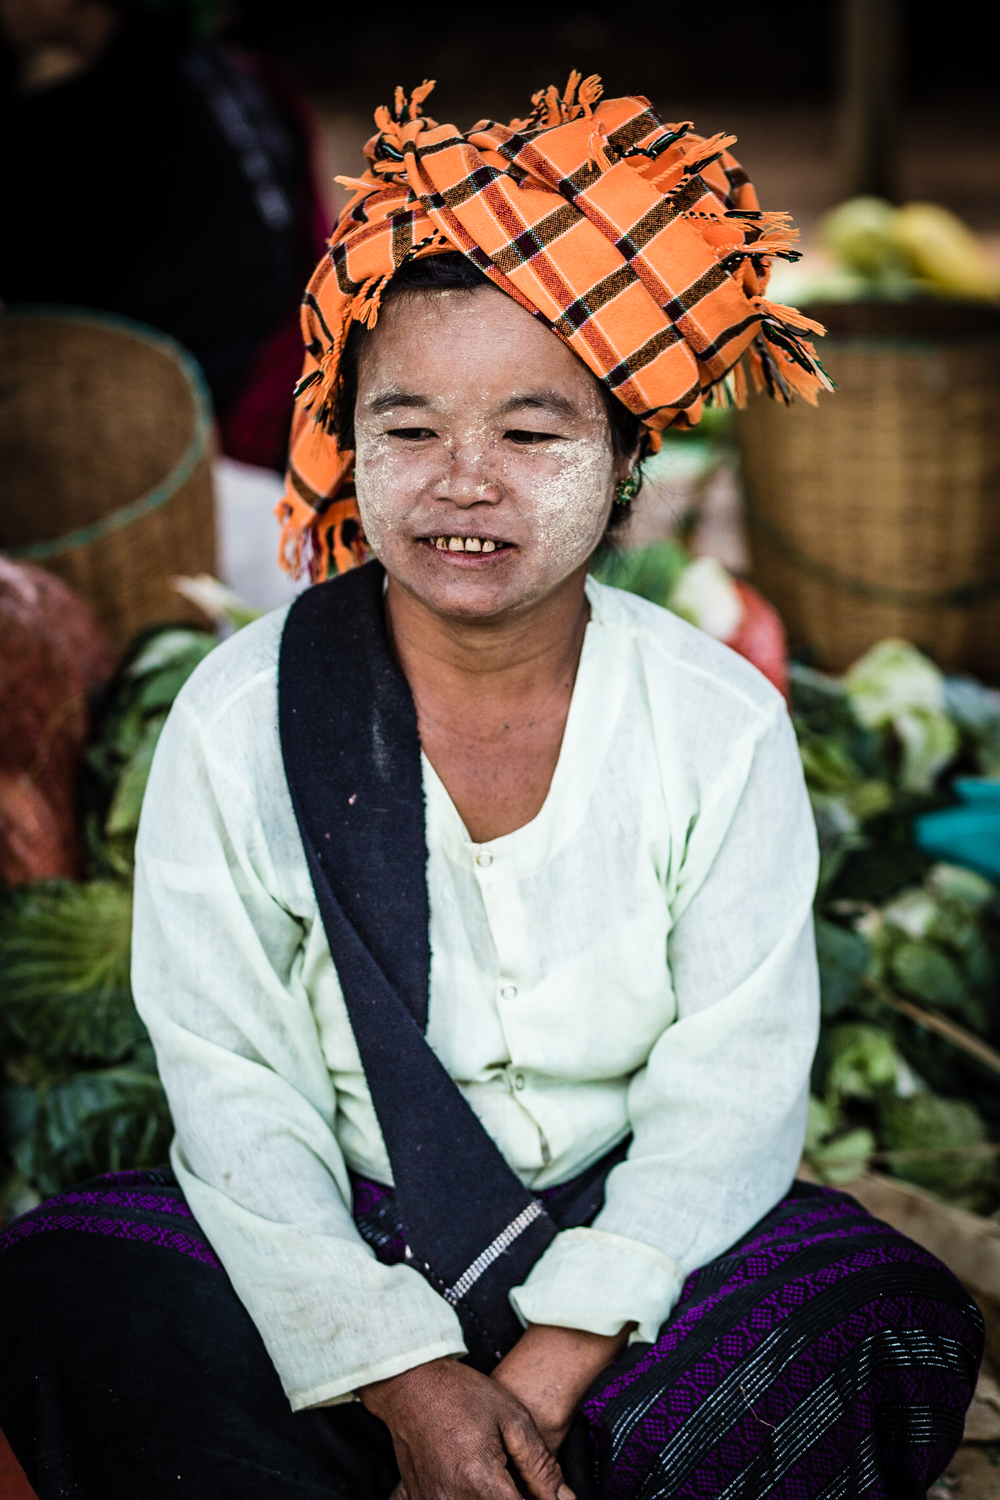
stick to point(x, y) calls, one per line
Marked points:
point(629, 487)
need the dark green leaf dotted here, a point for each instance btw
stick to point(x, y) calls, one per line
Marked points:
point(862, 1062)
point(129, 719)
point(925, 1122)
point(843, 961)
point(126, 804)
point(651, 572)
point(64, 969)
point(923, 970)
point(159, 690)
point(827, 762)
point(880, 871)
point(18, 1115)
point(107, 1120)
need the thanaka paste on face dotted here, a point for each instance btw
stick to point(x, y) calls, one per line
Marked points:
point(555, 497)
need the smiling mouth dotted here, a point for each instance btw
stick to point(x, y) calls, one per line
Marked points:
point(466, 544)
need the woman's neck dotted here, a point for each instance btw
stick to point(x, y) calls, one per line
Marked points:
point(492, 699)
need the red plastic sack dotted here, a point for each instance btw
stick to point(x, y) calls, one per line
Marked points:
point(13, 1484)
point(52, 655)
point(760, 636)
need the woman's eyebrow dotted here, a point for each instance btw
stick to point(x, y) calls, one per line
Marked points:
point(387, 399)
point(544, 400)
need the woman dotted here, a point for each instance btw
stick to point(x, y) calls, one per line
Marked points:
point(473, 928)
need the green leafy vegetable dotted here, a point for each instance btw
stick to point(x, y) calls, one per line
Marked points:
point(976, 711)
point(133, 714)
point(862, 1062)
point(895, 685)
point(64, 970)
point(652, 572)
point(103, 1120)
point(79, 1093)
point(837, 1156)
point(923, 970)
point(843, 962)
point(950, 1153)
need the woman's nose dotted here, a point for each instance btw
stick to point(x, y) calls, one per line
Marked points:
point(470, 477)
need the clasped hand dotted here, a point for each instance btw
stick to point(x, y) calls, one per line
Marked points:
point(460, 1435)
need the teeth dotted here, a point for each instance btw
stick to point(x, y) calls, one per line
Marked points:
point(463, 544)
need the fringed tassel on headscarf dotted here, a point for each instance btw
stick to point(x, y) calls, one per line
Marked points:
point(390, 123)
point(417, 98)
point(782, 363)
point(322, 404)
point(552, 108)
point(338, 539)
point(296, 519)
point(312, 540)
point(355, 184)
point(695, 155)
point(775, 236)
point(364, 308)
point(599, 150)
point(323, 381)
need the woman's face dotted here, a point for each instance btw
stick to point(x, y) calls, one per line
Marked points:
point(483, 465)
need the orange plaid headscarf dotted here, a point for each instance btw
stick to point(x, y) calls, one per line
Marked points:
point(639, 244)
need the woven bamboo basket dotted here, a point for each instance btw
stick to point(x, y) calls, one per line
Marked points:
point(877, 513)
point(105, 436)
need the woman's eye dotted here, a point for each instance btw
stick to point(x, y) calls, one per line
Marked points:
point(528, 439)
point(412, 434)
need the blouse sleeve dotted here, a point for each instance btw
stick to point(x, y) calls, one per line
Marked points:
point(718, 1111)
point(218, 967)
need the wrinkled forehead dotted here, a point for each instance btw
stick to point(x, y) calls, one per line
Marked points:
point(479, 344)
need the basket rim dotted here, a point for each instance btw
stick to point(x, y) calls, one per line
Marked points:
point(178, 476)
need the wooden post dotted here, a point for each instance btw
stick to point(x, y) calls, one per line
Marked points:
point(869, 66)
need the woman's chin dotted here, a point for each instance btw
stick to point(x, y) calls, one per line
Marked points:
point(469, 586)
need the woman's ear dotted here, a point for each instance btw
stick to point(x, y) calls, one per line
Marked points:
point(626, 462)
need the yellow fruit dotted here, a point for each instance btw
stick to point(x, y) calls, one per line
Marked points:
point(859, 232)
point(942, 250)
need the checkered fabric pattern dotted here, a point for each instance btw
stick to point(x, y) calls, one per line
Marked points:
point(639, 244)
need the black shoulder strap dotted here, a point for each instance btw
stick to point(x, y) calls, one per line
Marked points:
point(352, 759)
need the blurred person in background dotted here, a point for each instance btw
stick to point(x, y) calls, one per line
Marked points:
point(151, 172)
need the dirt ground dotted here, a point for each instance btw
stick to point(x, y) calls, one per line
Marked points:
point(974, 1472)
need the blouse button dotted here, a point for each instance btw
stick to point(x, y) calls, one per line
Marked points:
point(519, 1080)
point(484, 859)
point(509, 992)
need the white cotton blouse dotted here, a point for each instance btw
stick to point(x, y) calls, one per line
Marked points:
point(637, 959)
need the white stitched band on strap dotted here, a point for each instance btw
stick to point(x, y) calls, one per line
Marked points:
point(492, 1252)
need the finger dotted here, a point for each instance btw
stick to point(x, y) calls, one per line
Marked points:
point(477, 1473)
point(399, 1493)
point(538, 1468)
point(480, 1479)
